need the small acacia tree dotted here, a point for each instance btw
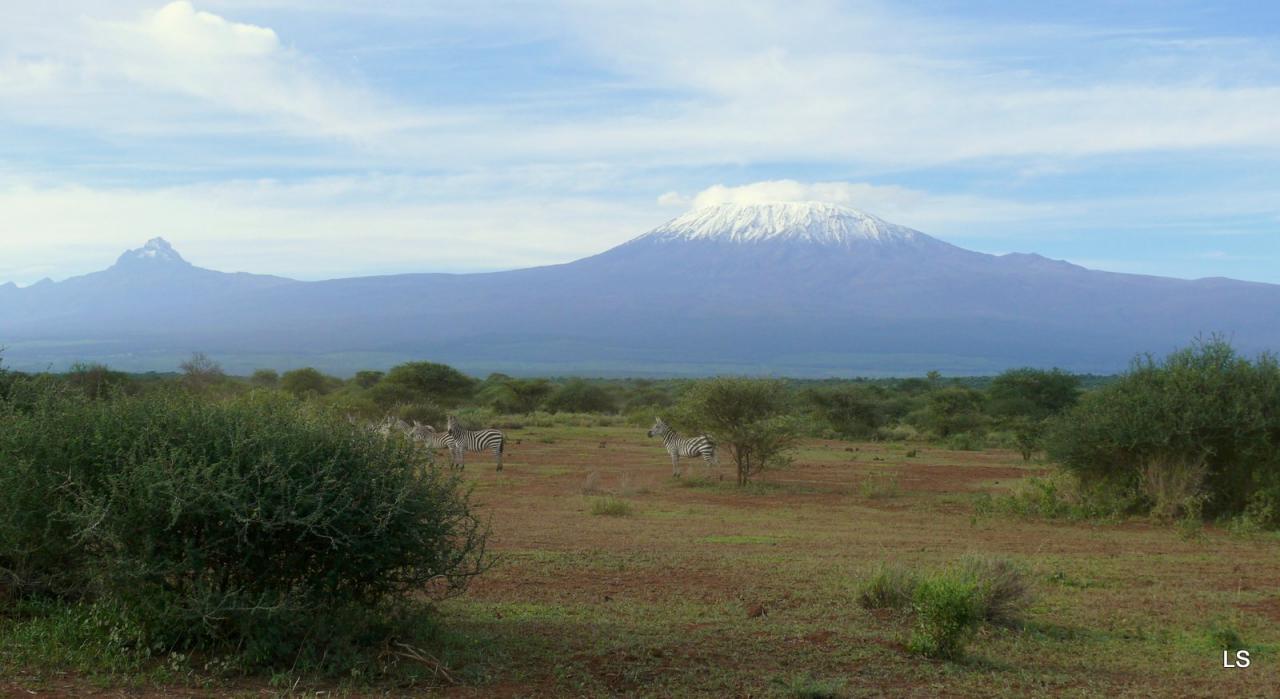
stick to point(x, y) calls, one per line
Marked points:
point(748, 417)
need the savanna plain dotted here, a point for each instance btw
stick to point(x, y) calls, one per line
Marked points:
point(614, 578)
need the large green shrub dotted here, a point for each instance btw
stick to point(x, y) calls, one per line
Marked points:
point(1204, 420)
point(428, 381)
point(254, 524)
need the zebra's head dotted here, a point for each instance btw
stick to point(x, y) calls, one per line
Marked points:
point(453, 424)
point(659, 428)
point(390, 424)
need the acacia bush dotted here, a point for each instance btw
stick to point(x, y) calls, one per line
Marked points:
point(257, 524)
point(750, 418)
point(1203, 424)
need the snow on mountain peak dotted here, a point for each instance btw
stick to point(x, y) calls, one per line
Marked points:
point(155, 250)
point(815, 222)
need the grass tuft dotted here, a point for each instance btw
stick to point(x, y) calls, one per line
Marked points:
point(610, 506)
point(888, 587)
point(879, 485)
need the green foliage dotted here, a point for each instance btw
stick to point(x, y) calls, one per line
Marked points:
point(429, 381)
point(97, 381)
point(1028, 434)
point(579, 396)
point(888, 587)
point(1203, 403)
point(953, 410)
point(748, 417)
point(201, 373)
point(645, 396)
point(514, 396)
point(966, 441)
point(265, 378)
point(1034, 394)
point(950, 604)
point(255, 524)
point(948, 612)
point(306, 381)
point(1002, 588)
point(367, 379)
point(1060, 496)
point(610, 506)
point(852, 411)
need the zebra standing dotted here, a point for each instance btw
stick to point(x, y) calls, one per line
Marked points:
point(432, 440)
point(702, 445)
point(461, 441)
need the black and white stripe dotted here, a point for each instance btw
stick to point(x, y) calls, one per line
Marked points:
point(461, 441)
point(391, 425)
point(678, 446)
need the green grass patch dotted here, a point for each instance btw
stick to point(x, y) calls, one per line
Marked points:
point(879, 485)
point(610, 506)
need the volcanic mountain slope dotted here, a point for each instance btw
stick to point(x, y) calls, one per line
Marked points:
point(791, 288)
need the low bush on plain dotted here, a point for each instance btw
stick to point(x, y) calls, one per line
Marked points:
point(888, 587)
point(948, 612)
point(610, 506)
point(256, 526)
point(1003, 592)
point(1060, 495)
point(950, 604)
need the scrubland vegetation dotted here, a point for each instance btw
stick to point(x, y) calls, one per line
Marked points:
point(196, 527)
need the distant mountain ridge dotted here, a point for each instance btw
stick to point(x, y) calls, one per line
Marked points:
point(806, 289)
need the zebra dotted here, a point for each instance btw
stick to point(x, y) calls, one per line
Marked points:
point(702, 445)
point(461, 441)
point(391, 424)
point(431, 439)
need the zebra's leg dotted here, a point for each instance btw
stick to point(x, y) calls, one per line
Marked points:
point(498, 453)
point(459, 458)
point(675, 465)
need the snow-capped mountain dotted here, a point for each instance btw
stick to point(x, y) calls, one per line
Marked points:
point(800, 289)
point(157, 251)
point(787, 222)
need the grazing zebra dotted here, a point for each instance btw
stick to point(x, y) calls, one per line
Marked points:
point(391, 424)
point(432, 440)
point(702, 445)
point(461, 441)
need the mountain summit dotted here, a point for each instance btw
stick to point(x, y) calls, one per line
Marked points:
point(156, 251)
point(811, 222)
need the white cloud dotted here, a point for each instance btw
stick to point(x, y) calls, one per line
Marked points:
point(903, 205)
point(179, 70)
point(713, 83)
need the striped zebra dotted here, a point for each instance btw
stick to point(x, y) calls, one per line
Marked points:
point(678, 446)
point(427, 436)
point(461, 441)
point(391, 424)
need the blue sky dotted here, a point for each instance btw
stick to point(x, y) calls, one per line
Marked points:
point(321, 138)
